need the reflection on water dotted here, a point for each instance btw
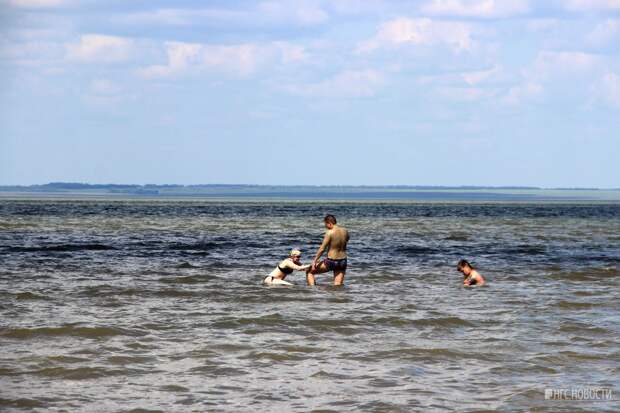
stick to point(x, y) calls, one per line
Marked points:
point(115, 306)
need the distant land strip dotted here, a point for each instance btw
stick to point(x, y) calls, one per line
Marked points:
point(387, 192)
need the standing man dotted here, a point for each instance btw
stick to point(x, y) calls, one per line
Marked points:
point(335, 242)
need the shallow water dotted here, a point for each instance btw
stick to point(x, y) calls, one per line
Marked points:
point(158, 306)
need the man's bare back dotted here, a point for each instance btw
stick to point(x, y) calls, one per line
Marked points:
point(335, 242)
point(337, 239)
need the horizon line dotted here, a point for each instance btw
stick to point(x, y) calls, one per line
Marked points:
point(85, 185)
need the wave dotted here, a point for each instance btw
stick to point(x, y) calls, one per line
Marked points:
point(525, 250)
point(416, 250)
point(457, 237)
point(80, 373)
point(196, 246)
point(123, 360)
point(587, 274)
point(330, 375)
point(105, 290)
point(175, 293)
point(173, 388)
point(274, 356)
point(190, 279)
point(218, 371)
point(68, 331)
point(21, 403)
point(448, 322)
point(582, 329)
point(29, 296)
point(267, 320)
point(62, 248)
point(574, 305)
point(421, 354)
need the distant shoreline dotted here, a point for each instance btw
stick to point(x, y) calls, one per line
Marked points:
point(72, 186)
point(310, 193)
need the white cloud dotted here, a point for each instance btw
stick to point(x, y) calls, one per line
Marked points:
point(347, 84)
point(541, 25)
point(104, 87)
point(466, 86)
point(97, 48)
point(480, 76)
point(553, 64)
point(611, 85)
point(607, 89)
point(476, 8)
point(104, 92)
point(181, 56)
point(30, 52)
point(183, 17)
point(465, 78)
point(525, 91)
point(29, 34)
point(420, 31)
point(239, 60)
point(551, 67)
point(465, 94)
point(38, 3)
point(592, 5)
point(290, 52)
point(303, 13)
point(243, 58)
point(607, 32)
point(352, 7)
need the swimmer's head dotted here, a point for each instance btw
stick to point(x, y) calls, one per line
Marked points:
point(330, 221)
point(464, 266)
point(295, 255)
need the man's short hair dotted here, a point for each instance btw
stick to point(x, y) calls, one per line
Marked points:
point(330, 219)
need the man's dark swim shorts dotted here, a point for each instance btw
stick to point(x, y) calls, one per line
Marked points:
point(335, 265)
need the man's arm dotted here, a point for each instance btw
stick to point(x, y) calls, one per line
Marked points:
point(322, 248)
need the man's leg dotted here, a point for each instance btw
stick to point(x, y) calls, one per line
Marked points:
point(339, 277)
point(320, 269)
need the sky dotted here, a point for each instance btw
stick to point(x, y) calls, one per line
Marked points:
point(311, 92)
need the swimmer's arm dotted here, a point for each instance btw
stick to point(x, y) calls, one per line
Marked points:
point(322, 248)
point(296, 267)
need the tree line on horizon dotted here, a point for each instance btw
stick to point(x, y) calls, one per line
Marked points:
point(78, 186)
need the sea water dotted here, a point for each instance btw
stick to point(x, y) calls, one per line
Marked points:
point(119, 306)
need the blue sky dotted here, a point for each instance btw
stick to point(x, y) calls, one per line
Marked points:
point(431, 92)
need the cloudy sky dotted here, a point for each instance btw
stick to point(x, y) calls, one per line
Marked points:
point(429, 92)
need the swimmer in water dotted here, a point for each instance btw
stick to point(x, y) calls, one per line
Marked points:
point(470, 275)
point(286, 267)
